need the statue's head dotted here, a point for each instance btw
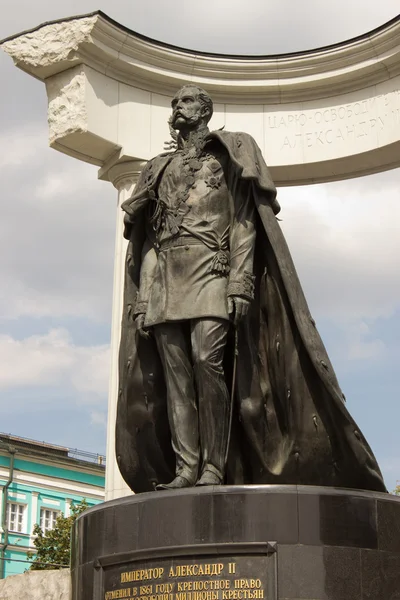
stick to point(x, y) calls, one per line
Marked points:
point(191, 107)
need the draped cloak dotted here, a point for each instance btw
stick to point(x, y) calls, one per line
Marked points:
point(290, 424)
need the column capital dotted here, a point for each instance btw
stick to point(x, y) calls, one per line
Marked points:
point(125, 173)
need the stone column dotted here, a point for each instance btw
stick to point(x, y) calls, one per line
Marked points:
point(124, 177)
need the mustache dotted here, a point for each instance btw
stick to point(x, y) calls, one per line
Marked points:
point(181, 113)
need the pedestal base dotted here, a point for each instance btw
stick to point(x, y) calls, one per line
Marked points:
point(240, 543)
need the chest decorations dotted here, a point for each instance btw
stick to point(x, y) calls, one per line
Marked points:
point(168, 216)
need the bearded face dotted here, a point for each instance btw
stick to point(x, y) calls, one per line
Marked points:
point(187, 110)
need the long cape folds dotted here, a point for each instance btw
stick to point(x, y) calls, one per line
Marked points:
point(289, 424)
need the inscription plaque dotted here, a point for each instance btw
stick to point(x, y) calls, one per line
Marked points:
point(241, 577)
point(334, 129)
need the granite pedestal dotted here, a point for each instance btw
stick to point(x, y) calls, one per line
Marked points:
point(240, 543)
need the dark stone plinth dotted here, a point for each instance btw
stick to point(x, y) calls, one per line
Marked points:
point(304, 542)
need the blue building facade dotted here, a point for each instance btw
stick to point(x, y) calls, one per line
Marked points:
point(38, 483)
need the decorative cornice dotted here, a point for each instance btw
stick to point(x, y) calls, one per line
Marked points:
point(101, 43)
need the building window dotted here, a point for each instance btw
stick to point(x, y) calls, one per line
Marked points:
point(16, 517)
point(48, 519)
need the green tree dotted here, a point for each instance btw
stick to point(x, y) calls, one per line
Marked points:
point(396, 490)
point(53, 547)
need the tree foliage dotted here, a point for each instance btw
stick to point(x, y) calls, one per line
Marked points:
point(396, 490)
point(53, 547)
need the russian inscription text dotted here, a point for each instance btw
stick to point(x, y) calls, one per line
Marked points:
point(233, 578)
point(308, 128)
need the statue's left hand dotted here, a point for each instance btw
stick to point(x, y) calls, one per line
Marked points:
point(238, 308)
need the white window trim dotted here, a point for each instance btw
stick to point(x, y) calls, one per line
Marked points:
point(24, 514)
point(51, 518)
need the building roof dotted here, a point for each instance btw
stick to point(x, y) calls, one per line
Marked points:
point(43, 450)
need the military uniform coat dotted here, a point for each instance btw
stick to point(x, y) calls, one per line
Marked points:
point(204, 246)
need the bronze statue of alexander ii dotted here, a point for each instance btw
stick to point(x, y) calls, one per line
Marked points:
point(223, 377)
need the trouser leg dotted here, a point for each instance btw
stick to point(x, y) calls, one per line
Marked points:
point(173, 342)
point(208, 338)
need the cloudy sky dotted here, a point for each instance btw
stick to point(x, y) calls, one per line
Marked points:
point(57, 233)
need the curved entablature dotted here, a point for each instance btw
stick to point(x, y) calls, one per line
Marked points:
point(126, 55)
point(318, 115)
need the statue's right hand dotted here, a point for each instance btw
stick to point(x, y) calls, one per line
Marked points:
point(139, 320)
point(170, 145)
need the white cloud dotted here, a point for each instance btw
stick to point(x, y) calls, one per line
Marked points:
point(53, 359)
point(345, 243)
point(16, 149)
point(98, 418)
point(57, 225)
point(359, 345)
